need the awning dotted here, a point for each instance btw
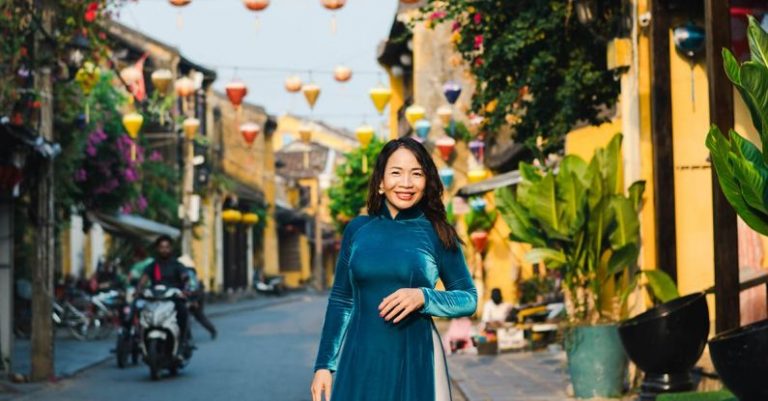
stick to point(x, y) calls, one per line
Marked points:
point(132, 226)
point(499, 181)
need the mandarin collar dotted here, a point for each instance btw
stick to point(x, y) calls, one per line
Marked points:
point(406, 214)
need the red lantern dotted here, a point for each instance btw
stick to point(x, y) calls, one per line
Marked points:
point(342, 73)
point(445, 145)
point(236, 91)
point(479, 240)
point(256, 5)
point(250, 131)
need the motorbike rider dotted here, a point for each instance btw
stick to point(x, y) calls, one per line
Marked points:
point(166, 270)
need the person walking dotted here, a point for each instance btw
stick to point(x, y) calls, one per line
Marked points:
point(383, 298)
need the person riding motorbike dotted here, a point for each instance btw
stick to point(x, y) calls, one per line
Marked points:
point(197, 296)
point(166, 270)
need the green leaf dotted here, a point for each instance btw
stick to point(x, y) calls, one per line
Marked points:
point(752, 182)
point(542, 204)
point(551, 257)
point(627, 227)
point(518, 220)
point(636, 191)
point(754, 91)
point(731, 67)
point(661, 284)
point(622, 258)
point(746, 149)
point(529, 172)
point(610, 162)
point(571, 193)
point(719, 149)
point(758, 42)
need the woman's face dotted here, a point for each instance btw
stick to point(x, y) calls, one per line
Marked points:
point(404, 180)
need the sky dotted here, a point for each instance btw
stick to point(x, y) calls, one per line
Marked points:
point(290, 37)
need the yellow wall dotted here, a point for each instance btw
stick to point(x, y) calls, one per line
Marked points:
point(297, 279)
point(288, 126)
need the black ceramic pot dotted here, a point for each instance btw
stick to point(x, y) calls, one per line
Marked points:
point(741, 359)
point(666, 341)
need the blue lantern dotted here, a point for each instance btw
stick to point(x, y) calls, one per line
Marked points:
point(689, 39)
point(446, 176)
point(422, 128)
point(451, 91)
point(477, 147)
point(477, 204)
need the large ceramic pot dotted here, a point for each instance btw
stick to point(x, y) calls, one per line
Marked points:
point(666, 342)
point(597, 363)
point(741, 359)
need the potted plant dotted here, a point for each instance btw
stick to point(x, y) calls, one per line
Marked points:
point(579, 221)
point(741, 355)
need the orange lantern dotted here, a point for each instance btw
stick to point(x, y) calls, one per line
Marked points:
point(179, 3)
point(185, 87)
point(256, 5)
point(250, 131)
point(161, 79)
point(311, 93)
point(190, 127)
point(409, 1)
point(445, 113)
point(342, 73)
point(293, 84)
point(333, 5)
point(479, 240)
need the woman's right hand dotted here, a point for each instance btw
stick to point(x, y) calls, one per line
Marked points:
point(321, 384)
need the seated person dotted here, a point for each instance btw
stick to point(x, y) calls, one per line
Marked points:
point(495, 311)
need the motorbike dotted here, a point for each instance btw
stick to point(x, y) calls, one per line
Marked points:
point(129, 333)
point(161, 343)
point(269, 284)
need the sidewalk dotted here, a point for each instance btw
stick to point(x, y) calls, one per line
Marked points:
point(73, 356)
point(521, 376)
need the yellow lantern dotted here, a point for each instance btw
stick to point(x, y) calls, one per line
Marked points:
point(250, 218)
point(231, 216)
point(311, 93)
point(87, 77)
point(477, 175)
point(132, 123)
point(364, 135)
point(380, 97)
point(190, 127)
point(293, 84)
point(161, 79)
point(414, 113)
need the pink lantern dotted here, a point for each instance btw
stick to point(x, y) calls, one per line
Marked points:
point(250, 131)
point(342, 73)
point(445, 145)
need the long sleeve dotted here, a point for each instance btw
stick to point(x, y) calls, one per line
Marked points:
point(340, 304)
point(460, 295)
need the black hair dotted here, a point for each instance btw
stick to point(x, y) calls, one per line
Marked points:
point(163, 238)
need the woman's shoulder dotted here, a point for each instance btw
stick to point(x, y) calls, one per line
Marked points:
point(355, 224)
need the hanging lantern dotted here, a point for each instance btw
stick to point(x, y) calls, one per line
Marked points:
point(446, 176)
point(445, 113)
point(132, 123)
point(364, 135)
point(231, 216)
point(414, 113)
point(342, 73)
point(130, 75)
point(451, 91)
point(422, 128)
point(250, 131)
point(179, 17)
point(477, 147)
point(236, 91)
point(250, 218)
point(380, 96)
point(478, 204)
point(333, 5)
point(293, 84)
point(311, 93)
point(479, 240)
point(445, 145)
point(190, 127)
point(161, 79)
point(409, 1)
point(477, 175)
point(184, 87)
point(689, 40)
point(87, 77)
point(256, 5)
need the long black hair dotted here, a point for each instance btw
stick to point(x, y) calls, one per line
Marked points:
point(432, 202)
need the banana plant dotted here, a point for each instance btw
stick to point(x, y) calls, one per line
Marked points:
point(579, 221)
point(742, 167)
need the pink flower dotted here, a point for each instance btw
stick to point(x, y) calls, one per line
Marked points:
point(477, 18)
point(155, 156)
point(90, 150)
point(478, 41)
point(437, 15)
point(130, 175)
point(141, 203)
point(127, 209)
point(81, 175)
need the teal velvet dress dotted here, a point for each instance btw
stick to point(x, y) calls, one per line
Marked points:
point(377, 360)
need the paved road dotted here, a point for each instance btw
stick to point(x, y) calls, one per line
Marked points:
point(265, 354)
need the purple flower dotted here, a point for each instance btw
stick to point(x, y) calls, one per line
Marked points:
point(155, 156)
point(130, 175)
point(81, 175)
point(90, 150)
point(141, 203)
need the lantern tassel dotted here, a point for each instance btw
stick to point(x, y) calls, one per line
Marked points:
point(693, 85)
point(333, 23)
point(87, 112)
point(179, 21)
point(257, 24)
point(365, 164)
point(133, 151)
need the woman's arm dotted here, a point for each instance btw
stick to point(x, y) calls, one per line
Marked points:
point(340, 304)
point(460, 296)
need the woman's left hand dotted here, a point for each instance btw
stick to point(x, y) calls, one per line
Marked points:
point(401, 303)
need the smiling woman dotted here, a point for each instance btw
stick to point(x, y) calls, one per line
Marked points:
point(383, 298)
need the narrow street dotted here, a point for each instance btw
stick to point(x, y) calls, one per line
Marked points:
point(262, 354)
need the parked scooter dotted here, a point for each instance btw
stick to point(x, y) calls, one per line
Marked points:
point(268, 284)
point(161, 342)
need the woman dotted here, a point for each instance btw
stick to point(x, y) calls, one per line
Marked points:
point(383, 294)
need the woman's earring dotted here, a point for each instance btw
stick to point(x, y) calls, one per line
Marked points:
point(381, 191)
